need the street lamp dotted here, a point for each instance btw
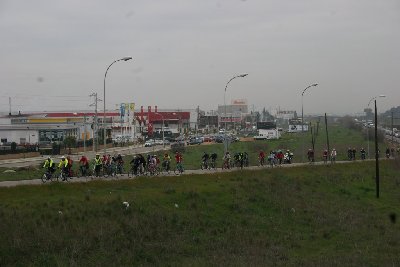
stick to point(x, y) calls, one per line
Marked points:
point(162, 127)
point(226, 86)
point(372, 99)
point(302, 115)
point(104, 100)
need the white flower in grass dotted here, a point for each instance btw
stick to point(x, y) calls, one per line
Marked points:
point(126, 204)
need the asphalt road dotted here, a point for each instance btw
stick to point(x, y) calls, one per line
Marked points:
point(89, 179)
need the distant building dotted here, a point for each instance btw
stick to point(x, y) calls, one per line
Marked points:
point(232, 115)
point(286, 114)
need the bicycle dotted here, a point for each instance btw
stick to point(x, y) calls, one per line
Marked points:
point(213, 165)
point(119, 169)
point(204, 165)
point(109, 170)
point(47, 176)
point(178, 168)
point(63, 175)
point(226, 164)
point(166, 166)
point(261, 162)
point(153, 170)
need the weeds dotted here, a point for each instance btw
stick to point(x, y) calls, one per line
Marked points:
point(292, 216)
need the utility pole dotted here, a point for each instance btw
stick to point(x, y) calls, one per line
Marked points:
point(95, 123)
point(327, 137)
point(376, 153)
point(392, 130)
point(84, 137)
point(9, 103)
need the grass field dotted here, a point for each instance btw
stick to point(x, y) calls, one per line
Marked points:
point(340, 138)
point(302, 216)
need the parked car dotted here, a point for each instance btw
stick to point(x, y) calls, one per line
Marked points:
point(158, 141)
point(195, 141)
point(207, 139)
point(219, 139)
point(149, 143)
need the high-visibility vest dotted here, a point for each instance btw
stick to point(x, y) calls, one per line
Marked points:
point(98, 161)
point(63, 163)
point(48, 163)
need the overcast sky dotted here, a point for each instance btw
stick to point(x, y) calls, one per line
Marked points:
point(53, 54)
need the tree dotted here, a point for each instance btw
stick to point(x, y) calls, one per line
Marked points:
point(70, 141)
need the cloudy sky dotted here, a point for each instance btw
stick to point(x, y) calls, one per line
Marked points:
point(54, 54)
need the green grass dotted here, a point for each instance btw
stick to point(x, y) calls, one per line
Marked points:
point(340, 138)
point(303, 216)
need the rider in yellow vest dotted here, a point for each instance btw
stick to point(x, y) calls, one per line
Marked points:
point(49, 164)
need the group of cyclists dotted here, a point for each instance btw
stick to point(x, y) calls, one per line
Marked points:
point(151, 164)
point(241, 159)
point(65, 165)
point(108, 165)
point(105, 165)
point(351, 154)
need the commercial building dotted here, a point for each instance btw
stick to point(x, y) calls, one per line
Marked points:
point(233, 114)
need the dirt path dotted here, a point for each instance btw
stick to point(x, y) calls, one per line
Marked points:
point(125, 177)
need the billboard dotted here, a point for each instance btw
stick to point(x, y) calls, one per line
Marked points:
point(239, 102)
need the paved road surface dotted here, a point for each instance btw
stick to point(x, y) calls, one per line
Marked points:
point(88, 179)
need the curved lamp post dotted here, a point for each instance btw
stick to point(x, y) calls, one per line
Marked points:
point(226, 86)
point(369, 103)
point(302, 114)
point(104, 101)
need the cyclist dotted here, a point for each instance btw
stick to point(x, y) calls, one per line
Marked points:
point(69, 167)
point(279, 156)
point(241, 159)
point(227, 159)
point(49, 164)
point(363, 153)
point(350, 153)
point(204, 158)
point(387, 153)
point(246, 159)
point(98, 163)
point(236, 159)
point(353, 153)
point(120, 163)
point(83, 165)
point(179, 160)
point(214, 160)
point(142, 163)
point(63, 165)
point(325, 156)
point(288, 157)
point(166, 162)
point(272, 158)
point(261, 158)
point(333, 156)
point(152, 164)
point(310, 156)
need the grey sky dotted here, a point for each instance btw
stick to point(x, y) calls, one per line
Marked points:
point(185, 51)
